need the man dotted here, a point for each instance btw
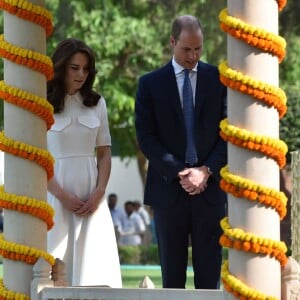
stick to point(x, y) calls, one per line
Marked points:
point(185, 156)
point(132, 226)
point(116, 212)
point(141, 210)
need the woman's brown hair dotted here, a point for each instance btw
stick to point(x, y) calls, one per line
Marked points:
point(56, 90)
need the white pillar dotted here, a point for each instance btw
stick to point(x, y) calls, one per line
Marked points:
point(24, 177)
point(259, 272)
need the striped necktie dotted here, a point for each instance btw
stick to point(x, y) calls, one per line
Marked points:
point(189, 120)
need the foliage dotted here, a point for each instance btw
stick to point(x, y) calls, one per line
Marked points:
point(132, 277)
point(290, 76)
point(129, 254)
point(149, 255)
point(290, 124)
point(131, 37)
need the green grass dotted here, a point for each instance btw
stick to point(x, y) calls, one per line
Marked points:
point(132, 277)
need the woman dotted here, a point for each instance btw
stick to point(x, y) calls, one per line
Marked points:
point(83, 235)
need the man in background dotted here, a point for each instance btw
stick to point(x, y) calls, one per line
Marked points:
point(116, 212)
point(132, 226)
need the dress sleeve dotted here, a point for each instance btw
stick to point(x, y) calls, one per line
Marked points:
point(103, 134)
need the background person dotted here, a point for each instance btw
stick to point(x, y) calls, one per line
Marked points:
point(116, 212)
point(132, 226)
point(142, 211)
point(83, 235)
point(185, 155)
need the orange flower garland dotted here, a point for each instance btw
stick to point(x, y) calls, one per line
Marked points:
point(265, 149)
point(248, 242)
point(23, 253)
point(35, 207)
point(41, 108)
point(252, 35)
point(273, 148)
point(240, 290)
point(7, 294)
point(40, 156)
point(281, 4)
point(254, 196)
point(27, 11)
point(28, 101)
point(268, 94)
point(244, 241)
point(246, 188)
point(241, 187)
point(27, 58)
point(255, 248)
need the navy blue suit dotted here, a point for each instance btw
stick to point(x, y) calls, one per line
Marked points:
point(161, 136)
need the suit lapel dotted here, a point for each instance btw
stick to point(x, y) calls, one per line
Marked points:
point(200, 89)
point(173, 92)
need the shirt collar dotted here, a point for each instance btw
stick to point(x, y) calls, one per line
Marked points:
point(178, 68)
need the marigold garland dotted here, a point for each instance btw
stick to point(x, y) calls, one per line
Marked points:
point(35, 207)
point(252, 35)
point(239, 240)
point(30, 12)
point(23, 253)
point(245, 188)
point(274, 148)
point(239, 289)
point(37, 105)
point(40, 107)
point(281, 4)
point(28, 58)
point(7, 294)
point(40, 156)
point(271, 147)
point(271, 95)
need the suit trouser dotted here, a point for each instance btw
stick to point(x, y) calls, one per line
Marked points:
point(190, 219)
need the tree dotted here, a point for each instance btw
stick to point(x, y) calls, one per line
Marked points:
point(130, 38)
point(290, 76)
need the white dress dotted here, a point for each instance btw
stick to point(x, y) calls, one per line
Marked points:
point(86, 244)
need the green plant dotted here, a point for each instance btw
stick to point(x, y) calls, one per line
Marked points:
point(130, 254)
point(149, 255)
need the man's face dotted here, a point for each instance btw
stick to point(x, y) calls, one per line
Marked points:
point(112, 201)
point(129, 208)
point(187, 48)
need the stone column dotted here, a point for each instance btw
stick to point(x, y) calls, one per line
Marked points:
point(23, 176)
point(259, 272)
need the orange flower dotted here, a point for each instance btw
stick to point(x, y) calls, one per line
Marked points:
point(46, 69)
point(258, 42)
point(29, 16)
point(270, 151)
point(46, 164)
point(269, 99)
point(275, 203)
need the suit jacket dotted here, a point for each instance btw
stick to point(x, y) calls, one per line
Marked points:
point(161, 134)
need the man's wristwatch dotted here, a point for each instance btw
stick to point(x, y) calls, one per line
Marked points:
point(209, 172)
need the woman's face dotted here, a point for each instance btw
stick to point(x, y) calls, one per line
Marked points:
point(77, 72)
